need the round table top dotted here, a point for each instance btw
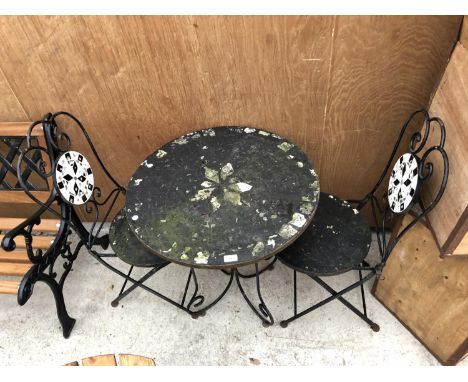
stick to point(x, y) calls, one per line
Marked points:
point(222, 197)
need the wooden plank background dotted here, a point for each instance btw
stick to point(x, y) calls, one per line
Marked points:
point(427, 294)
point(464, 33)
point(449, 219)
point(338, 86)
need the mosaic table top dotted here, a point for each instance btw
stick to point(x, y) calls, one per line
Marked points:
point(222, 197)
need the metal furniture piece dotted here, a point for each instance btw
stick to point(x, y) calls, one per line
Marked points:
point(339, 238)
point(72, 182)
point(222, 198)
point(127, 247)
point(15, 264)
point(73, 195)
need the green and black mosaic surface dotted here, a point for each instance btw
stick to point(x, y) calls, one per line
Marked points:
point(222, 197)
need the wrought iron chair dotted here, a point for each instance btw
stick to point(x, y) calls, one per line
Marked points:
point(339, 238)
point(73, 180)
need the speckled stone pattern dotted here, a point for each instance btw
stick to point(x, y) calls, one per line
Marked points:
point(127, 247)
point(337, 240)
point(222, 197)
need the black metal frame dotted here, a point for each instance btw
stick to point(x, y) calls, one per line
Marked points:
point(416, 146)
point(98, 207)
point(7, 165)
point(196, 300)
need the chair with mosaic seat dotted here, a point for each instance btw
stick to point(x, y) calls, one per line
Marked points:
point(77, 191)
point(82, 209)
point(339, 238)
point(128, 249)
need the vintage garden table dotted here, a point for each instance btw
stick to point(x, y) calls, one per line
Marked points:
point(223, 198)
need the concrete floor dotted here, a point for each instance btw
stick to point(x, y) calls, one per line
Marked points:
point(229, 334)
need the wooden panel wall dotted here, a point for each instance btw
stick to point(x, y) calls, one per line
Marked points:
point(464, 33)
point(427, 293)
point(339, 87)
point(449, 219)
point(10, 108)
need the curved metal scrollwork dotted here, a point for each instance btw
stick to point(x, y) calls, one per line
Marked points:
point(417, 147)
point(58, 143)
point(97, 208)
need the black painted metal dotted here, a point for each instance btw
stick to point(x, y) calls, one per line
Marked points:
point(97, 209)
point(338, 240)
point(262, 312)
point(90, 237)
point(222, 198)
point(7, 162)
point(268, 267)
point(31, 161)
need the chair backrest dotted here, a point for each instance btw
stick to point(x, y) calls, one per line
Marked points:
point(74, 186)
point(84, 191)
point(409, 175)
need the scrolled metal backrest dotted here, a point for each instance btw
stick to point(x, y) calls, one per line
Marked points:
point(44, 260)
point(425, 168)
point(97, 206)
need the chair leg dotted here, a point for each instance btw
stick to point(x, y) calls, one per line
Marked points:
point(139, 283)
point(345, 302)
point(115, 302)
point(335, 295)
point(125, 293)
point(284, 324)
point(363, 296)
point(295, 292)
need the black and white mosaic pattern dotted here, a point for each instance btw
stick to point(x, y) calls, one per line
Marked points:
point(222, 197)
point(403, 183)
point(74, 177)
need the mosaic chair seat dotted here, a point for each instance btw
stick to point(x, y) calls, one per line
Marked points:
point(339, 238)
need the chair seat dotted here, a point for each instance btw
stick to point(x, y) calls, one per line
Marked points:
point(337, 240)
point(127, 247)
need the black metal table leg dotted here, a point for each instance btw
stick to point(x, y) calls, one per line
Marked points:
point(268, 267)
point(263, 313)
point(197, 300)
